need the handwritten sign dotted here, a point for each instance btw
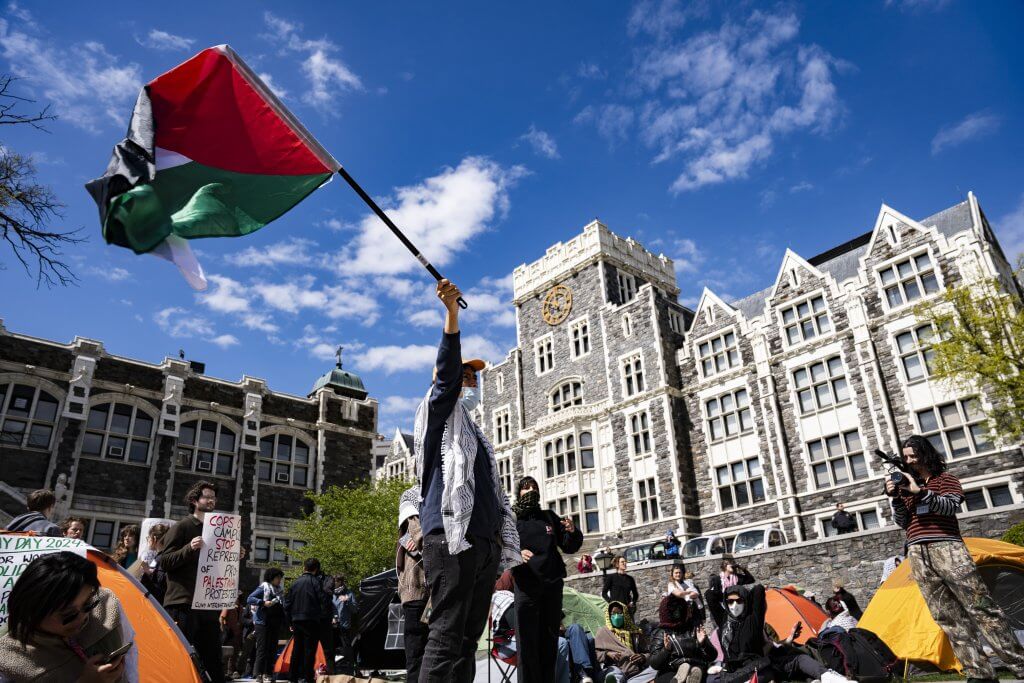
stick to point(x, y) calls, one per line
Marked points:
point(16, 552)
point(217, 577)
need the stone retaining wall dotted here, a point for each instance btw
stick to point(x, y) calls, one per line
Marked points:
point(855, 558)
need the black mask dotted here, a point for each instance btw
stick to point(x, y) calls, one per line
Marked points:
point(529, 501)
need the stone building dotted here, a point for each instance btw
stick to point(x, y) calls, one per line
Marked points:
point(637, 415)
point(791, 389)
point(120, 439)
point(398, 462)
point(588, 402)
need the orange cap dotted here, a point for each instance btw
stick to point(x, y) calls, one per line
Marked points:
point(474, 363)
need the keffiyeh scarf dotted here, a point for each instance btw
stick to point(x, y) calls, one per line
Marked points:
point(459, 451)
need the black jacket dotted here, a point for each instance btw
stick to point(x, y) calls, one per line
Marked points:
point(307, 599)
point(620, 588)
point(541, 533)
point(844, 522)
point(713, 596)
point(686, 650)
point(746, 640)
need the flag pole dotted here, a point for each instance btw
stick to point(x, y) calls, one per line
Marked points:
point(394, 228)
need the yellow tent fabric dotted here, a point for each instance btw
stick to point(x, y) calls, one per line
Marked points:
point(899, 616)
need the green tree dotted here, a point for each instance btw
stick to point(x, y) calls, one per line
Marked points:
point(353, 530)
point(1015, 534)
point(980, 344)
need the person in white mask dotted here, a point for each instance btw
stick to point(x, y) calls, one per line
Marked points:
point(469, 530)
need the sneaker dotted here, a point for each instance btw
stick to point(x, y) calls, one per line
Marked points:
point(586, 679)
point(610, 678)
point(831, 676)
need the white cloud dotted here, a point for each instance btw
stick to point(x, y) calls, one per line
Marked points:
point(477, 346)
point(541, 142)
point(973, 126)
point(292, 252)
point(88, 87)
point(591, 71)
point(400, 405)
point(918, 5)
point(162, 40)
point(392, 358)
point(224, 341)
point(802, 186)
point(428, 317)
point(337, 301)
point(319, 347)
point(717, 101)
point(110, 274)
point(440, 216)
point(269, 81)
point(177, 322)
point(327, 75)
point(613, 121)
point(1010, 231)
point(687, 257)
point(226, 295)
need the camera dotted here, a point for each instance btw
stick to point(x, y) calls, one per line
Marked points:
point(897, 478)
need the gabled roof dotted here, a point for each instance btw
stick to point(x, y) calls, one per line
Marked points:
point(792, 261)
point(709, 298)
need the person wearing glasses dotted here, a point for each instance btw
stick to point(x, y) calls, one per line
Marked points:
point(180, 559)
point(741, 634)
point(62, 625)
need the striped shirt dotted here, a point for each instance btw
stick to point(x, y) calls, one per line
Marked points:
point(930, 515)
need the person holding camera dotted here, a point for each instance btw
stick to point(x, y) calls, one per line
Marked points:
point(925, 505)
point(538, 581)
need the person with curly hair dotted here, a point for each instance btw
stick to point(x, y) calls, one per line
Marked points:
point(925, 506)
point(74, 527)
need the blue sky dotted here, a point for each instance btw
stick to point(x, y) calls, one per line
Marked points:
point(717, 135)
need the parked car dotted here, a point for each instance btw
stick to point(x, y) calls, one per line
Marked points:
point(705, 546)
point(640, 553)
point(758, 539)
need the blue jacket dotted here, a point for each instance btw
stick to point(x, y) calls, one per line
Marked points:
point(345, 609)
point(258, 598)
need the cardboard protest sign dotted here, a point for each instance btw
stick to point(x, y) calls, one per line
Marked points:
point(16, 552)
point(217, 577)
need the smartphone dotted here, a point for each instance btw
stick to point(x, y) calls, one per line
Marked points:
point(119, 652)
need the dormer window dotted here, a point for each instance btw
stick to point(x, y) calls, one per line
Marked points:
point(908, 280)
point(805, 320)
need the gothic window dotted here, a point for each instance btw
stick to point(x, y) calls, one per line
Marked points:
point(545, 355)
point(908, 280)
point(805, 320)
point(591, 513)
point(647, 500)
point(285, 459)
point(566, 395)
point(118, 431)
point(740, 484)
point(632, 375)
point(505, 474)
point(627, 287)
point(956, 429)
point(579, 338)
point(29, 416)
point(640, 433)
point(916, 353)
point(718, 354)
point(502, 426)
point(820, 385)
point(837, 459)
point(728, 415)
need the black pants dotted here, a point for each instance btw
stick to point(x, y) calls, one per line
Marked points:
point(415, 638)
point(460, 597)
point(326, 635)
point(538, 615)
point(306, 635)
point(266, 646)
point(202, 629)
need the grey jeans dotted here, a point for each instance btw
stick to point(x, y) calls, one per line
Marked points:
point(460, 598)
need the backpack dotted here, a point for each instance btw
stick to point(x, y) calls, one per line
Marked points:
point(858, 654)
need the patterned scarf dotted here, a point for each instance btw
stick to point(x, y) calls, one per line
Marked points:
point(459, 450)
point(629, 632)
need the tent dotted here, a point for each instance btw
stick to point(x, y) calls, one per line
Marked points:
point(786, 607)
point(376, 593)
point(283, 664)
point(162, 650)
point(898, 615)
point(580, 608)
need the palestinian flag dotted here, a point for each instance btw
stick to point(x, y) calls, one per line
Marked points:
point(210, 152)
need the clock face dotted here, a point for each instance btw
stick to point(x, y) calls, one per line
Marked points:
point(557, 304)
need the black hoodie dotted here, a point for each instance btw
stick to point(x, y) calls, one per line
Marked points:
point(541, 532)
point(742, 637)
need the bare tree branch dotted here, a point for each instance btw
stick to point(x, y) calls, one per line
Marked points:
point(26, 206)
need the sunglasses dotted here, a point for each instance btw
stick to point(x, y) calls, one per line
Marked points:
point(86, 608)
point(734, 601)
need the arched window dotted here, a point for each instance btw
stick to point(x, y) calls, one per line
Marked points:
point(285, 459)
point(567, 395)
point(207, 446)
point(118, 431)
point(29, 414)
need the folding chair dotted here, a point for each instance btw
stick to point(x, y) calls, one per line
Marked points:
point(501, 637)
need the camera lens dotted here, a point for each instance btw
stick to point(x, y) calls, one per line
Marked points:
point(896, 477)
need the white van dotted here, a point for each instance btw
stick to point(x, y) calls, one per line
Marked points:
point(758, 539)
point(705, 546)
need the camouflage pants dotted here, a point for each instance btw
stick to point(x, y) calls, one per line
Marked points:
point(960, 604)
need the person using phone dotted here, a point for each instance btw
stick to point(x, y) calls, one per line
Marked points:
point(794, 665)
point(942, 566)
point(538, 581)
point(62, 626)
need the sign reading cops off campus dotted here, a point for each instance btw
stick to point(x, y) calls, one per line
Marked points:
point(217, 576)
point(16, 552)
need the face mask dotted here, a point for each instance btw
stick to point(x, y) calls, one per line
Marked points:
point(618, 620)
point(470, 399)
point(736, 609)
point(530, 499)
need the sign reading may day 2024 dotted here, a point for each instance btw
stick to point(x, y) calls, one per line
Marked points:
point(217, 577)
point(16, 552)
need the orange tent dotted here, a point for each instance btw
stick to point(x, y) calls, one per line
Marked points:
point(786, 607)
point(899, 616)
point(164, 654)
point(284, 660)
